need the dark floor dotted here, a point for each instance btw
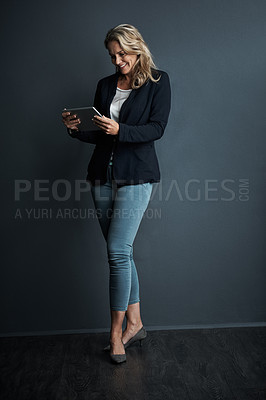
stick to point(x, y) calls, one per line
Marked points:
point(201, 364)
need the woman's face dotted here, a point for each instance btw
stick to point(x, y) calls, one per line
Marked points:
point(121, 59)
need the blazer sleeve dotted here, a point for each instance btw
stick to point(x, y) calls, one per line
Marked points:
point(89, 136)
point(160, 109)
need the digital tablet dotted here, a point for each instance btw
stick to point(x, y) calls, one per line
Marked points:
point(85, 114)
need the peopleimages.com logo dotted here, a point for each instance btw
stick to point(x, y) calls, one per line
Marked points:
point(192, 190)
point(62, 190)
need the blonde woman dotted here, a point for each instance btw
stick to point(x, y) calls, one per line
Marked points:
point(135, 104)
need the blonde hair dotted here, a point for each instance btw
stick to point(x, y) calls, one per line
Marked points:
point(131, 41)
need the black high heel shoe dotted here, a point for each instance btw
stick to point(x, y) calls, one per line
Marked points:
point(118, 358)
point(140, 335)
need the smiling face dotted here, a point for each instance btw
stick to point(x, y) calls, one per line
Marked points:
point(121, 59)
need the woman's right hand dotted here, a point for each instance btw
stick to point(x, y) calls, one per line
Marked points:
point(70, 120)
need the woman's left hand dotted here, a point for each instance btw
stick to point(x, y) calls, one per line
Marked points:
point(109, 126)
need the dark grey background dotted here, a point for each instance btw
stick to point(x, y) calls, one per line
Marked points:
point(200, 253)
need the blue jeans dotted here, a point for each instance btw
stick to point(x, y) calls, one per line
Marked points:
point(120, 211)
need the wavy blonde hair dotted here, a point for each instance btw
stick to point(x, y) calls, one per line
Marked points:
point(131, 41)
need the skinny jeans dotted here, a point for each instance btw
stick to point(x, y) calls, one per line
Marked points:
point(119, 210)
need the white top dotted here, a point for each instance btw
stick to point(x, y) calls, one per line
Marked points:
point(120, 96)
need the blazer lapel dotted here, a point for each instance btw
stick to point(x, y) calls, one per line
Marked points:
point(111, 94)
point(127, 103)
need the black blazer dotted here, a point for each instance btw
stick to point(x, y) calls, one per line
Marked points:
point(143, 118)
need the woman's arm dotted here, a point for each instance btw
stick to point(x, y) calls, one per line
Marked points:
point(86, 136)
point(160, 109)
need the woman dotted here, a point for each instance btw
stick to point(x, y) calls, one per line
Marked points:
point(135, 104)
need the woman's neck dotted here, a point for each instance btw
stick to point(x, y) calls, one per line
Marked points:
point(124, 82)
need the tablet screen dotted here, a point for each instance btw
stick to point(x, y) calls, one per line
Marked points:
point(85, 114)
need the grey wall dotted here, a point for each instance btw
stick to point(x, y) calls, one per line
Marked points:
point(200, 249)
